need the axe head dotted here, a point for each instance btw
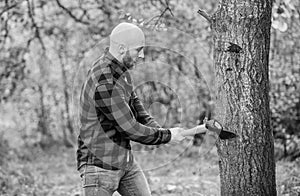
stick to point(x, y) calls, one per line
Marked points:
point(215, 126)
point(224, 135)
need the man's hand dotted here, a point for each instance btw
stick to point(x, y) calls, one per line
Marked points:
point(176, 135)
point(195, 130)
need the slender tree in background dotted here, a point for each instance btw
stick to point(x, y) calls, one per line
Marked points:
point(241, 32)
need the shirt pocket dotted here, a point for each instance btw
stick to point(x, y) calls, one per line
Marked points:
point(90, 180)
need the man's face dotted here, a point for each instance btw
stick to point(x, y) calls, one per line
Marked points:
point(131, 57)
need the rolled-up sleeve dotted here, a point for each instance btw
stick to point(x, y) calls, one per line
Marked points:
point(110, 100)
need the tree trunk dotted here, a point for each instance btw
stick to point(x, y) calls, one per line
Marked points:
point(66, 94)
point(67, 99)
point(42, 125)
point(241, 52)
point(67, 142)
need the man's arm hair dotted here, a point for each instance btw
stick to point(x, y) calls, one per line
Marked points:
point(110, 100)
point(141, 115)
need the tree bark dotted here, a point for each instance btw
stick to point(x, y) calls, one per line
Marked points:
point(241, 32)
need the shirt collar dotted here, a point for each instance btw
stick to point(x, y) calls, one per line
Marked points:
point(117, 67)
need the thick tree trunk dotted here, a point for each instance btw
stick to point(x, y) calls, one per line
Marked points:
point(241, 51)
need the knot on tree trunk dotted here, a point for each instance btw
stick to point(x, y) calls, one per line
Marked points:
point(234, 48)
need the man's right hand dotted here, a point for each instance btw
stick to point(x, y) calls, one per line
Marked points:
point(176, 135)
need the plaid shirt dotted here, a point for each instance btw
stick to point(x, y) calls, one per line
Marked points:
point(111, 115)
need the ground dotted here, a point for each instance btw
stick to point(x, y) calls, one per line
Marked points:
point(172, 170)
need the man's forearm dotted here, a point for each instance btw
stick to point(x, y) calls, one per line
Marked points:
point(141, 114)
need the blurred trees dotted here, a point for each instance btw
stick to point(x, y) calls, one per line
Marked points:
point(46, 47)
point(42, 43)
point(285, 78)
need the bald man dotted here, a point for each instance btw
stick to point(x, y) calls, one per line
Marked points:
point(111, 115)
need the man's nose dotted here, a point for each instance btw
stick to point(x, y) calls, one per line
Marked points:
point(141, 54)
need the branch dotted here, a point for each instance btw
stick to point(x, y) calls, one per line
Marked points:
point(35, 26)
point(205, 15)
point(168, 8)
point(158, 17)
point(71, 14)
point(6, 31)
point(7, 8)
point(161, 15)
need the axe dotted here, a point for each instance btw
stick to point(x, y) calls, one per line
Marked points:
point(211, 125)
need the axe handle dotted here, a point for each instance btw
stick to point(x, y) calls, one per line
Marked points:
point(194, 130)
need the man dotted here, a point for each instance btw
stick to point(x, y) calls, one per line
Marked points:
point(111, 115)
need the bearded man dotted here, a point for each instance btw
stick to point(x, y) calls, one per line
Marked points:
point(111, 115)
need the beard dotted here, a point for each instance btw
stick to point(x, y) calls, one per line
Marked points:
point(128, 61)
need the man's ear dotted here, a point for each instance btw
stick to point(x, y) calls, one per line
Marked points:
point(122, 49)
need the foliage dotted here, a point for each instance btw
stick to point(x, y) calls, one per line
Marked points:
point(285, 78)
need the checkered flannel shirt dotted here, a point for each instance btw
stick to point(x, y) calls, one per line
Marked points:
point(111, 115)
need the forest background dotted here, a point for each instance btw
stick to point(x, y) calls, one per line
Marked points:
point(46, 48)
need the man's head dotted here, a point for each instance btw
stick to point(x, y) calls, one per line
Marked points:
point(126, 43)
